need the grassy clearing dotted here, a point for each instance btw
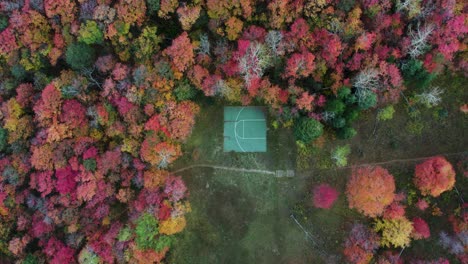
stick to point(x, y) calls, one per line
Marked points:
point(245, 218)
point(238, 218)
point(206, 145)
point(391, 140)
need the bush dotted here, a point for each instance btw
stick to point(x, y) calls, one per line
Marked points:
point(340, 155)
point(386, 113)
point(416, 75)
point(324, 196)
point(338, 122)
point(307, 129)
point(335, 106)
point(351, 115)
point(415, 127)
point(344, 92)
point(80, 56)
point(440, 114)
point(346, 133)
point(351, 99)
point(367, 100)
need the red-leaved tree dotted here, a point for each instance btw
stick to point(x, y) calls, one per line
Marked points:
point(324, 196)
point(434, 176)
point(421, 229)
point(394, 211)
point(181, 52)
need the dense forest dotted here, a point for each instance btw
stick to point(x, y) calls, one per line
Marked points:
point(98, 97)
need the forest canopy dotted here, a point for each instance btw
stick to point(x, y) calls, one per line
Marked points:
point(98, 96)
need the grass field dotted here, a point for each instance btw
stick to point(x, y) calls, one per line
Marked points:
point(246, 217)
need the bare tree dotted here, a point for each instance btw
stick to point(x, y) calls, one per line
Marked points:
point(221, 50)
point(367, 79)
point(412, 7)
point(222, 88)
point(273, 40)
point(427, 9)
point(165, 156)
point(204, 47)
point(336, 27)
point(92, 113)
point(419, 39)
point(88, 73)
point(37, 5)
point(327, 115)
point(454, 244)
point(254, 62)
point(430, 98)
point(8, 6)
point(365, 82)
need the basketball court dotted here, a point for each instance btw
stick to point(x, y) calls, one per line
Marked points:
point(244, 129)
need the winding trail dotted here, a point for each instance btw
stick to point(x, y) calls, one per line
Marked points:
point(340, 168)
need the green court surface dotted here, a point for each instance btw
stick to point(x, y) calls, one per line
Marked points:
point(244, 129)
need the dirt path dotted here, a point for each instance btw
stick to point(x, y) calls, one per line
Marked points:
point(223, 168)
point(341, 168)
point(402, 160)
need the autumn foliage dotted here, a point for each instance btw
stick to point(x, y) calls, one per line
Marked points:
point(181, 53)
point(96, 101)
point(394, 211)
point(420, 229)
point(370, 190)
point(324, 196)
point(395, 232)
point(361, 244)
point(434, 176)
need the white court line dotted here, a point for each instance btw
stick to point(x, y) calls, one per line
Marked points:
point(243, 129)
point(235, 130)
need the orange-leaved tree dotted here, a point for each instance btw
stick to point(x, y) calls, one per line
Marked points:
point(181, 52)
point(370, 190)
point(434, 176)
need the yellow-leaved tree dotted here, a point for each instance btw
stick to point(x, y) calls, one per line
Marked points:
point(395, 232)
